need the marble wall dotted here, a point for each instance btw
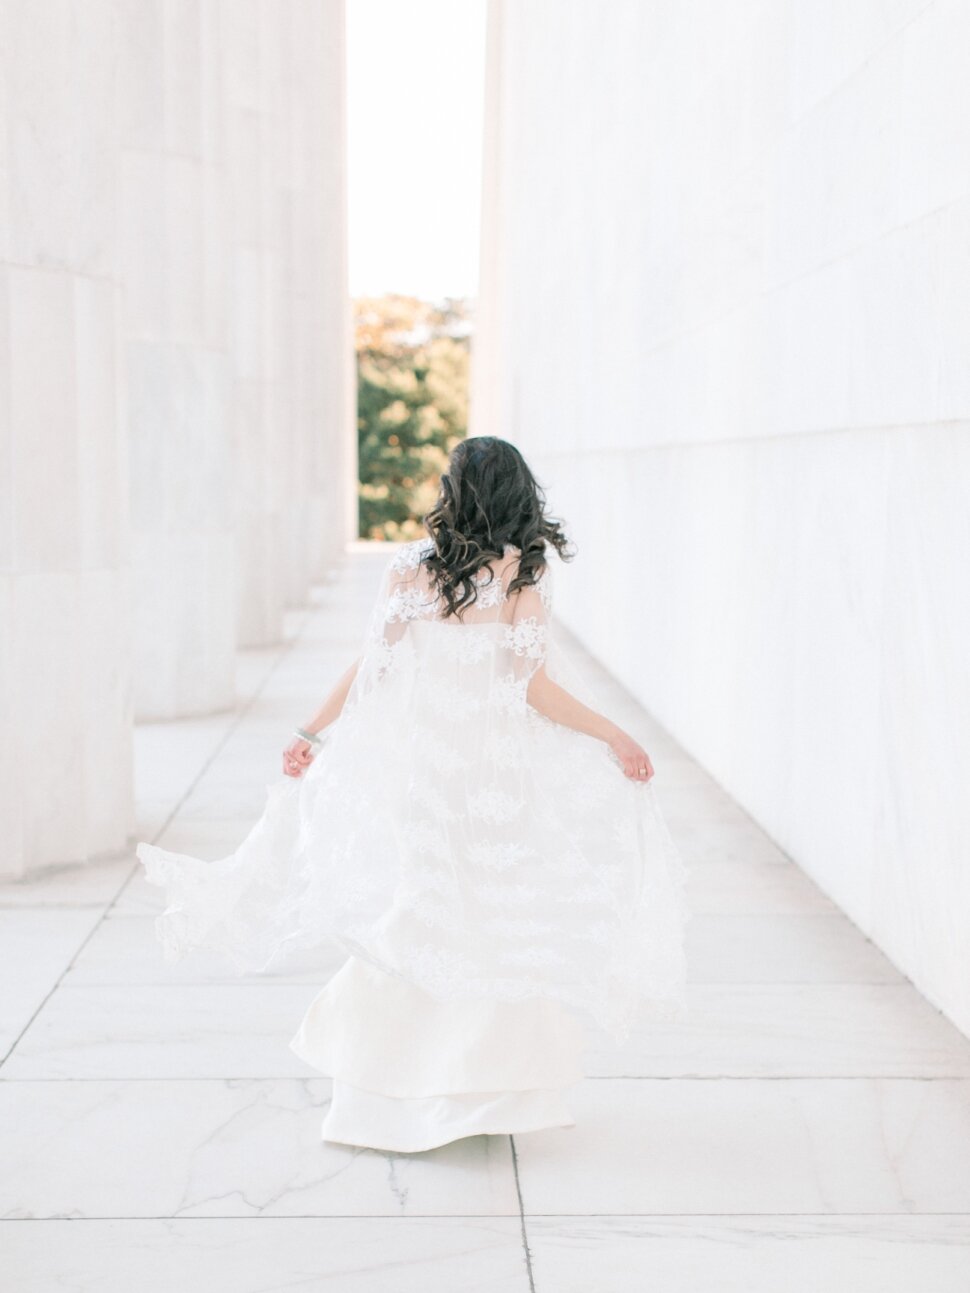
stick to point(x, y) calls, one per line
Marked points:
point(724, 310)
point(175, 376)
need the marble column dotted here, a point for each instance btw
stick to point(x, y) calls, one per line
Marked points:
point(173, 217)
point(323, 338)
point(290, 340)
point(175, 376)
point(65, 650)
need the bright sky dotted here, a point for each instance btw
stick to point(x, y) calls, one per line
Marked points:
point(415, 87)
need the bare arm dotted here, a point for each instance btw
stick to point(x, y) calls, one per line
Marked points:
point(334, 703)
point(561, 706)
point(298, 754)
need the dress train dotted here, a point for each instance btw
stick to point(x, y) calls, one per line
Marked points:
point(411, 1072)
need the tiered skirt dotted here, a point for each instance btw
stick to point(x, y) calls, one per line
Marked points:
point(411, 1071)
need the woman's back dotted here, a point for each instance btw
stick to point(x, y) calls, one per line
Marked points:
point(413, 595)
point(497, 640)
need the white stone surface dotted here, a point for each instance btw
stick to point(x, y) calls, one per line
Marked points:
point(738, 1255)
point(290, 346)
point(804, 1126)
point(176, 385)
point(36, 948)
point(726, 267)
point(406, 1254)
point(237, 326)
point(230, 1148)
point(748, 1145)
point(65, 657)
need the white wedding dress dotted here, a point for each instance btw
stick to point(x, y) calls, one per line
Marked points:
point(494, 879)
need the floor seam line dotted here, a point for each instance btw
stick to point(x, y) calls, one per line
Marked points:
point(527, 1252)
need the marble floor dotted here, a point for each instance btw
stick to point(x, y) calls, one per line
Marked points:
point(807, 1127)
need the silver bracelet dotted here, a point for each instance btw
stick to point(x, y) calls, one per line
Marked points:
point(310, 737)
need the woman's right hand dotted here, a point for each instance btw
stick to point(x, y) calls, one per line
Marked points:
point(297, 757)
point(634, 758)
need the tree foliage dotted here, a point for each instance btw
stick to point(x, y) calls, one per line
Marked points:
point(412, 406)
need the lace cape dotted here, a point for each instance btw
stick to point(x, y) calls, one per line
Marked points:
point(450, 834)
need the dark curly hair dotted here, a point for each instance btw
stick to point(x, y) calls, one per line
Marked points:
point(487, 498)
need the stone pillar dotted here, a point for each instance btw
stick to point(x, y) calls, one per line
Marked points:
point(170, 116)
point(290, 345)
point(487, 377)
point(175, 379)
point(249, 51)
point(65, 653)
point(324, 373)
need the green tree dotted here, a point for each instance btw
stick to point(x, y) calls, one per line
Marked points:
point(412, 407)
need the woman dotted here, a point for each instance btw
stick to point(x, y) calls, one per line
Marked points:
point(482, 843)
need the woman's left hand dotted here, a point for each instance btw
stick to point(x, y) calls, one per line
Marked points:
point(297, 757)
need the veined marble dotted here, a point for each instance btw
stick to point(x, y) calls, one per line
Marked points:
point(228, 1255)
point(224, 1148)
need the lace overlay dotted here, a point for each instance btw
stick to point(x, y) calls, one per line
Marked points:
point(450, 834)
